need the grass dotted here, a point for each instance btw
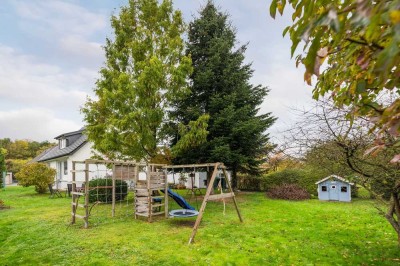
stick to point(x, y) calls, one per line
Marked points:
point(36, 231)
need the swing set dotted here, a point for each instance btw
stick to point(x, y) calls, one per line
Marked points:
point(147, 201)
point(208, 196)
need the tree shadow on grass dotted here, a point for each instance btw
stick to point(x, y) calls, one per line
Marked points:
point(182, 222)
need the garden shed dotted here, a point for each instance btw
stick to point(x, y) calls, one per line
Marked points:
point(335, 188)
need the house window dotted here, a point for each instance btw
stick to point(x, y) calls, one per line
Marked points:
point(333, 187)
point(63, 143)
point(343, 189)
point(324, 188)
point(65, 167)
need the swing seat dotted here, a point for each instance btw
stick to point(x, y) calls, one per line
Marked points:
point(183, 213)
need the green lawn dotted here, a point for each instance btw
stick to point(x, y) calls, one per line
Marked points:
point(36, 231)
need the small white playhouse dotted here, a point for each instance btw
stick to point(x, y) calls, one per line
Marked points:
point(334, 188)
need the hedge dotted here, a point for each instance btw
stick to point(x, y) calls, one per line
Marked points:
point(100, 189)
point(290, 176)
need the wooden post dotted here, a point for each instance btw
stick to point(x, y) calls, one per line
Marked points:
point(204, 204)
point(234, 198)
point(113, 191)
point(136, 182)
point(73, 194)
point(86, 219)
point(136, 173)
point(166, 194)
point(148, 192)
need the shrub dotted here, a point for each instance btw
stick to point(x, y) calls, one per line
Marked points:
point(101, 190)
point(36, 174)
point(301, 177)
point(286, 176)
point(288, 192)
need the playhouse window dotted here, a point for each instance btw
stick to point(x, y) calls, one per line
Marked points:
point(324, 188)
point(343, 189)
point(333, 187)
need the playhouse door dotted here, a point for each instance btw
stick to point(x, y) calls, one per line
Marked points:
point(333, 192)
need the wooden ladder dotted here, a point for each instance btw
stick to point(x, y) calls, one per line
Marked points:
point(76, 195)
point(75, 204)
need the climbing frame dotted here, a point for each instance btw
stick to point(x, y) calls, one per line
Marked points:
point(85, 171)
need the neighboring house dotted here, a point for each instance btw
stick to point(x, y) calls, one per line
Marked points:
point(335, 188)
point(8, 179)
point(72, 146)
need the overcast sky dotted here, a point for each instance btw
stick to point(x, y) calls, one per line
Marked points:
point(51, 52)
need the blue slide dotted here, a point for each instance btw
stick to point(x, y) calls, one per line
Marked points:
point(179, 199)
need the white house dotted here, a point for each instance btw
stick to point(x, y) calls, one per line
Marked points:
point(72, 146)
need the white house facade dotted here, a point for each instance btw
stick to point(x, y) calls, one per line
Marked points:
point(72, 146)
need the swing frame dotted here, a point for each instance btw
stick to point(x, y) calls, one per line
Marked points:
point(208, 197)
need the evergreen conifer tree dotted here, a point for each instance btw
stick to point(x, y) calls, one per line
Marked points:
point(221, 89)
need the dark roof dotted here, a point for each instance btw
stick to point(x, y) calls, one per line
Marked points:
point(70, 133)
point(42, 154)
point(56, 152)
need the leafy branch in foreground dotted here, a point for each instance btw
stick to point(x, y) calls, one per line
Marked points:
point(361, 42)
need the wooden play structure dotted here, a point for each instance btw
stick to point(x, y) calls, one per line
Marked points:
point(148, 181)
point(144, 204)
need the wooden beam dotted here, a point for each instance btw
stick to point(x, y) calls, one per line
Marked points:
point(79, 162)
point(221, 196)
point(77, 193)
point(166, 194)
point(220, 165)
point(80, 171)
point(86, 195)
point(204, 204)
point(80, 216)
point(93, 161)
point(149, 192)
point(73, 195)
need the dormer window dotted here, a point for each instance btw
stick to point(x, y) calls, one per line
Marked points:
point(63, 143)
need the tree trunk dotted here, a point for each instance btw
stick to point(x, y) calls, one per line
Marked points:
point(234, 178)
point(393, 214)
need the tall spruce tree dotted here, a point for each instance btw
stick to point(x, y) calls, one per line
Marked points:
point(221, 89)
